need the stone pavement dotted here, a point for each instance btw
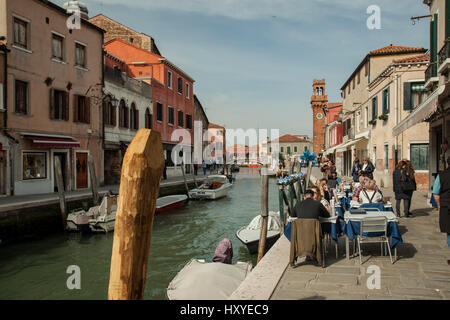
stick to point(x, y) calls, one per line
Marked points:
point(420, 272)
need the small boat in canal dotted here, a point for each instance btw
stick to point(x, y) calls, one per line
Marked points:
point(214, 187)
point(167, 203)
point(97, 219)
point(217, 280)
point(249, 235)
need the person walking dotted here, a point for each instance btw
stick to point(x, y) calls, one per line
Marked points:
point(195, 169)
point(204, 167)
point(367, 168)
point(355, 170)
point(441, 192)
point(404, 185)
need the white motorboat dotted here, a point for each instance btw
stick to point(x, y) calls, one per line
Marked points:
point(170, 202)
point(249, 235)
point(97, 219)
point(214, 187)
point(199, 280)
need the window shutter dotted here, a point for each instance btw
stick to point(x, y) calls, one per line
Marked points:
point(447, 19)
point(432, 49)
point(87, 109)
point(407, 105)
point(113, 116)
point(66, 106)
point(75, 108)
point(52, 103)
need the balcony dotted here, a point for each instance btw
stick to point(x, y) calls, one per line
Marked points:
point(444, 59)
point(431, 75)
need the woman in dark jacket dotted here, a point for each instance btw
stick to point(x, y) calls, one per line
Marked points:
point(355, 170)
point(367, 168)
point(404, 186)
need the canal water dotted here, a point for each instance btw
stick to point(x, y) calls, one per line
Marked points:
point(37, 269)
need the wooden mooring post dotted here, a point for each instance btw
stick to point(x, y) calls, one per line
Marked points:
point(94, 181)
point(184, 178)
point(61, 194)
point(142, 169)
point(264, 215)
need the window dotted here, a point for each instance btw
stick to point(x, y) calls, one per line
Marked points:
point(374, 108)
point(366, 117)
point(57, 47)
point(386, 157)
point(169, 79)
point(353, 81)
point(386, 101)
point(188, 121)
point(180, 85)
point(159, 112)
point(134, 116)
point(414, 93)
point(59, 105)
point(348, 91)
point(82, 109)
point(123, 114)
point(187, 90)
point(288, 150)
point(34, 165)
point(305, 149)
point(171, 119)
point(366, 68)
point(419, 156)
point(295, 149)
point(20, 33)
point(21, 89)
point(110, 114)
point(358, 76)
point(282, 149)
point(148, 119)
point(358, 121)
point(80, 55)
point(219, 132)
point(180, 118)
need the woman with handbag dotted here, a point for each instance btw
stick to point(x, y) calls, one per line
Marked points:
point(404, 186)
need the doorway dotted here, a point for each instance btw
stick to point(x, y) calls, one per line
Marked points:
point(62, 156)
point(81, 170)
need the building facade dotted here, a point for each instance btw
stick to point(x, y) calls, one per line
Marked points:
point(393, 95)
point(201, 120)
point(290, 147)
point(356, 102)
point(128, 107)
point(216, 148)
point(333, 132)
point(4, 154)
point(172, 95)
point(54, 94)
point(435, 109)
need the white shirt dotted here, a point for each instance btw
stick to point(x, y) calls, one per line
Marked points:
point(363, 198)
point(364, 167)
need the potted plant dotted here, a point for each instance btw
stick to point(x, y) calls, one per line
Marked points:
point(373, 121)
point(383, 117)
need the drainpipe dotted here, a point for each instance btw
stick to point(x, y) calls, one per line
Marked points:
point(396, 107)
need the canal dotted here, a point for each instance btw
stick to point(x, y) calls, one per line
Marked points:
point(37, 269)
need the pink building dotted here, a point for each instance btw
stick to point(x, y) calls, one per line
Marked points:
point(53, 98)
point(333, 129)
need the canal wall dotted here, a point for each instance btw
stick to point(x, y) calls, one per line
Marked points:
point(39, 217)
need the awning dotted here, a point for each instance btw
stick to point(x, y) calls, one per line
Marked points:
point(56, 142)
point(364, 135)
point(421, 113)
point(344, 146)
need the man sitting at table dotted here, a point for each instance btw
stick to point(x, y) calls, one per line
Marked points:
point(318, 197)
point(310, 208)
point(369, 194)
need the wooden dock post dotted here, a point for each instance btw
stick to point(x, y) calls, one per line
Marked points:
point(264, 215)
point(94, 181)
point(142, 169)
point(62, 197)
point(184, 178)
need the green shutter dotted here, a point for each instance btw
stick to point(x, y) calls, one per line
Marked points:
point(407, 105)
point(447, 19)
point(432, 42)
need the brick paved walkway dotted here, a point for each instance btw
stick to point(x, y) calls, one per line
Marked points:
point(421, 271)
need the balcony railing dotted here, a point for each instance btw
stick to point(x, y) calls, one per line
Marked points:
point(444, 54)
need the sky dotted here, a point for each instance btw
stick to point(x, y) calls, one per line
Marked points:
point(254, 61)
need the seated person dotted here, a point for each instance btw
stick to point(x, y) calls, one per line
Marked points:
point(359, 183)
point(310, 208)
point(323, 187)
point(334, 181)
point(369, 194)
point(361, 187)
point(318, 197)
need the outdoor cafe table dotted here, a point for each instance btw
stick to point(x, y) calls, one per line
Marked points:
point(352, 227)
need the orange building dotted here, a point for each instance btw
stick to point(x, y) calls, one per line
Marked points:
point(172, 91)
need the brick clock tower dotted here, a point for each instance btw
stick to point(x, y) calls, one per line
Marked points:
point(319, 102)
